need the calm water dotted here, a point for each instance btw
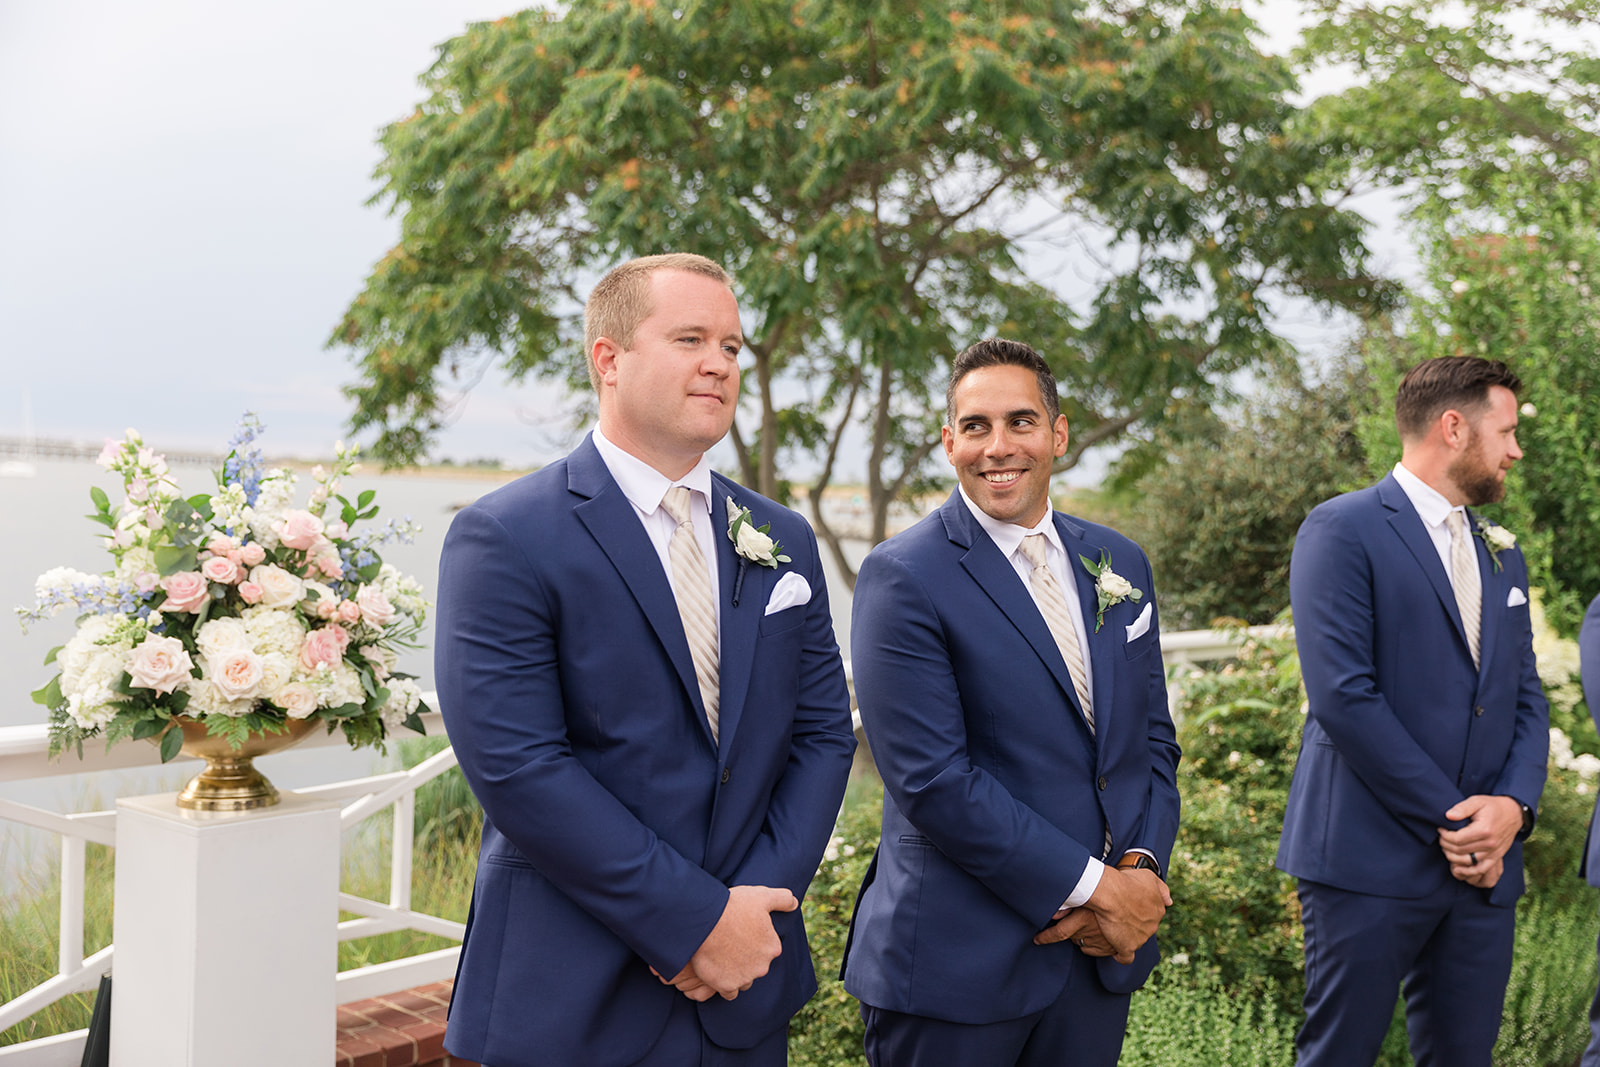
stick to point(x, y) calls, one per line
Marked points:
point(42, 526)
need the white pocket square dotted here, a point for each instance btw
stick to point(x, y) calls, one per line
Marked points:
point(1137, 627)
point(791, 591)
point(1516, 598)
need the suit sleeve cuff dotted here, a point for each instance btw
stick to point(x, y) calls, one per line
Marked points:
point(1087, 884)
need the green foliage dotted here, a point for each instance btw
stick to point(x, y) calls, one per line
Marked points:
point(879, 178)
point(1234, 916)
point(30, 924)
point(1188, 1018)
point(1218, 510)
point(1546, 1018)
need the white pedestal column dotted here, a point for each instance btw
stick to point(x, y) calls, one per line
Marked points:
point(224, 933)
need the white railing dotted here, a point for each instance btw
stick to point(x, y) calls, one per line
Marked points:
point(24, 756)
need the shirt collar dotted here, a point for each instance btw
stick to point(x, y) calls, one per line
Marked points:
point(1432, 508)
point(642, 484)
point(1007, 536)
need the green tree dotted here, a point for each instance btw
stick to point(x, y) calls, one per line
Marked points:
point(1218, 504)
point(887, 182)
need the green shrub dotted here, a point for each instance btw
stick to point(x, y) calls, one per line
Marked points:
point(1186, 1018)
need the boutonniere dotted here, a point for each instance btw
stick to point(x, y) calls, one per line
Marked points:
point(751, 543)
point(1109, 586)
point(1496, 539)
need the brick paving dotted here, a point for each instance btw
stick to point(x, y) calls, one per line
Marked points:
point(403, 1029)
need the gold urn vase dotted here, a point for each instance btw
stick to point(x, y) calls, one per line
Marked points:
point(230, 781)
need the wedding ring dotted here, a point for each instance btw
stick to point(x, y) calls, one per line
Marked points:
point(1474, 859)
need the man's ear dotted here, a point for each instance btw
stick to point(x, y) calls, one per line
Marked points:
point(603, 353)
point(1453, 429)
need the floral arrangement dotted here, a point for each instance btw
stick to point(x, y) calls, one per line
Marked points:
point(235, 609)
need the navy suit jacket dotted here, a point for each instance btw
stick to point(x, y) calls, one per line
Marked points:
point(1400, 725)
point(996, 795)
point(614, 825)
point(1589, 664)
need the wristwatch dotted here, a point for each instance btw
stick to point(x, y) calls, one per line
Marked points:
point(1133, 861)
point(1527, 819)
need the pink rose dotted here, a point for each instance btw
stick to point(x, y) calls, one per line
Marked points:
point(219, 546)
point(330, 565)
point(375, 606)
point(252, 554)
point(250, 592)
point(186, 591)
point(297, 699)
point(237, 675)
point(349, 612)
point(323, 645)
point(237, 557)
point(220, 569)
point(279, 588)
point(160, 663)
point(300, 530)
point(327, 607)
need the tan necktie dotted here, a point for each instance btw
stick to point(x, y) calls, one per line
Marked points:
point(1464, 577)
point(1053, 606)
point(691, 585)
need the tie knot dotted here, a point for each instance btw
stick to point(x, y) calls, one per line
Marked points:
point(1457, 521)
point(1033, 549)
point(677, 503)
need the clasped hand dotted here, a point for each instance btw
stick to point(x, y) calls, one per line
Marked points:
point(1477, 850)
point(1122, 914)
point(739, 949)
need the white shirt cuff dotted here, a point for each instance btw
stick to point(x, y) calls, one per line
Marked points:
point(1086, 884)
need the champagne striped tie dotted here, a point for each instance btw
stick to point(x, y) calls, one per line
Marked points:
point(1466, 580)
point(1053, 606)
point(691, 585)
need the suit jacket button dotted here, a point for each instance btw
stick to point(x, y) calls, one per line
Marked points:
point(1101, 782)
point(1478, 710)
point(726, 774)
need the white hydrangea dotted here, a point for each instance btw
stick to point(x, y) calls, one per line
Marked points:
point(206, 699)
point(335, 684)
point(1563, 758)
point(274, 631)
point(135, 561)
point(92, 663)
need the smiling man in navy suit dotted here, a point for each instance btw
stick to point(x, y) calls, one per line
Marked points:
point(645, 694)
point(1011, 687)
point(1426, 734)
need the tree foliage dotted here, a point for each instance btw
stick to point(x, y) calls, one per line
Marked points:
point(1220, 504)
point(887, 182)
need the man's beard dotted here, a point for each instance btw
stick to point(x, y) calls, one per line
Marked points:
point(1476, 479)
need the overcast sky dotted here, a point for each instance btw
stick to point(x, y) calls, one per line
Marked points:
point(183, 219)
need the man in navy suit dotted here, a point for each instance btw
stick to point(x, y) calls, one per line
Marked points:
point(1426, 734)
point(645, 694)
point(1008, 669)
point(1589, 662)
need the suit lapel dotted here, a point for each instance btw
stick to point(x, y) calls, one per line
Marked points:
point(998, 579)
point(1407, 524)
point(741, 622)
point(614, 525)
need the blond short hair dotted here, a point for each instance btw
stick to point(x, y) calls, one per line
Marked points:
point(621, 300)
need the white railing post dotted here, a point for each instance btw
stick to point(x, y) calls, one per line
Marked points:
point(69, 955)
point(223, 921)
point(405, 810)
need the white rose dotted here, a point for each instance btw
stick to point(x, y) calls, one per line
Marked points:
point(221, 636)
point(276, 671)
point(1114, 585)
point(237, 674)
point(207, 698)
point(160, 663)
point(1500, 538)
point(297, 699)
point(279, 588)
point(753, 544)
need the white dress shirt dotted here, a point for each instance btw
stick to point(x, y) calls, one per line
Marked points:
point(1434, 511)
point(645, 487)
point(1007, 537)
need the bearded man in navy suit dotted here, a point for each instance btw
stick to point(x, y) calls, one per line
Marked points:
point(645, 694)
point(1426, 734)
point(1589, 665)
point(1011, 687)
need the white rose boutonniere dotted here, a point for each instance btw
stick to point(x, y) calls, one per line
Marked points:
point(1109, 586)
point(752, 543)
point(1496, 539)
